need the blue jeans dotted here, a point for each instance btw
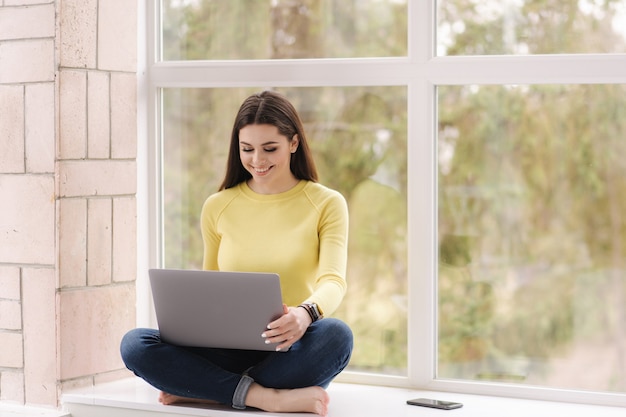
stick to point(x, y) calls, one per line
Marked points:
point(224, 375)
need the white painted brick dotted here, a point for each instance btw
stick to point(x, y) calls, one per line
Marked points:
point(112, 376)
point(10, 315)
point(11, 129)
point(123, 115)
point(12, 386)
point(27, 232)
point(40, 128)
point(12, 352)
point(27, 61)
point(73, 114)
point(10, 283)
point(72, 242)
point(97, 178)
point(27, 22)
point(117, 35)
point(78, 33)
point(70, 385)
point(25, 2)
point(98, 116)
point(40, 354)
point(99, 238)
point(124, 239)
point(89, 343)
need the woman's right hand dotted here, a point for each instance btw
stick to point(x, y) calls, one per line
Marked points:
point(287, 329)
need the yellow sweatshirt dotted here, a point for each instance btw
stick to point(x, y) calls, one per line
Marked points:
point(300, 234)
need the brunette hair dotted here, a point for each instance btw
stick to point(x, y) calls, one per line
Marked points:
point(274, 109)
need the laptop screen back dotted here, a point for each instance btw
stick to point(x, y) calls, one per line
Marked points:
point(215, 308)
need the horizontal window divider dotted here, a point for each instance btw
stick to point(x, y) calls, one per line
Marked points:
point(283, 73)
point(364, 378)
point(501, 389)
point(530, 69)
point(453, 70)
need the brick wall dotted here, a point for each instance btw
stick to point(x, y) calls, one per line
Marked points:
point(67, 193)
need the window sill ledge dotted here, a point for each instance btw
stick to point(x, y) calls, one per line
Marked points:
point(133, 397)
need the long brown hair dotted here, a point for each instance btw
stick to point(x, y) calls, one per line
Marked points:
point(271, 108)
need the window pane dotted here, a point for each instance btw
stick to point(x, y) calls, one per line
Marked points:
point(358, 136)
point(276, 29)
point(532, 235)
point(487, 27)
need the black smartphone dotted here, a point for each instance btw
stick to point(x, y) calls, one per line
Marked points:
point(427, 402)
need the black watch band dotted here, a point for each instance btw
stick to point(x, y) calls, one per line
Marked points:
point(313, 310)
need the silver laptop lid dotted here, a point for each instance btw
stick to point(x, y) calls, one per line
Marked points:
point(215, 308)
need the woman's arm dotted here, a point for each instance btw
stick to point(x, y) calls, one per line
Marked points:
point(330, 285)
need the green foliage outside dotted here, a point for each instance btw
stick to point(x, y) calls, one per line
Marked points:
point(531, 185)
point(531, 181)
point(533, 239)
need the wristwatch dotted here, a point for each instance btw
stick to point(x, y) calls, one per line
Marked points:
point(314, 311)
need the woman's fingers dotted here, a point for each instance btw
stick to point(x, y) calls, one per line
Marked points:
point(286, 330)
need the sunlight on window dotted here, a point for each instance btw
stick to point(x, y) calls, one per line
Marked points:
point(283, 29)
point(358, 138)
point(532, 241)
point(520, 27)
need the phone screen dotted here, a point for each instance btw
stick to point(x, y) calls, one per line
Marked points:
point(427, 402)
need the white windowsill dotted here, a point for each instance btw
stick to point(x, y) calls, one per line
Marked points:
point(347, 400)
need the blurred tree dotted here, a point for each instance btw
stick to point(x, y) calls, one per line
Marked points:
point(357, 135)
point(533, 175)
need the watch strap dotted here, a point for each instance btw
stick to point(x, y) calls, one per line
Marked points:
point(313, 310)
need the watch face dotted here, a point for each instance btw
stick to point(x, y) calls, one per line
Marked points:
point(317, 311)
point(313, 310)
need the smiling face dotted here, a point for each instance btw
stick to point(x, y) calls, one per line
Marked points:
point(266, 155)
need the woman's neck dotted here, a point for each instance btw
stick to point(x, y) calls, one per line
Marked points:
point(271, 188)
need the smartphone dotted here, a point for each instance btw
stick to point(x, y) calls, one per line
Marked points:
point(427, 402)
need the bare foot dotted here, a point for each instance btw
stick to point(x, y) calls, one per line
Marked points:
point(169, 399)
point(308, 400)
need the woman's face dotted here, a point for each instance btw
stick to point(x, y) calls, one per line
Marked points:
point(266, 155)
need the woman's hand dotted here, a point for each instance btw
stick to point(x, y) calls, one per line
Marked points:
point(288, 329)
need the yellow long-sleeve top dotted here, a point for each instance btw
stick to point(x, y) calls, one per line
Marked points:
point(300, 234)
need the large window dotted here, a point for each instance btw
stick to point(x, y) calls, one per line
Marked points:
point(480, 146)
point(532, 235)
point(358, 135)
point(249, 29)
point(521, 27)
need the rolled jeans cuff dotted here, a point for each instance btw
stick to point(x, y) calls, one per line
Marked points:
point(239, 397)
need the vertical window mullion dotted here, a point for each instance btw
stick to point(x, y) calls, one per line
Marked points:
point(422, 197)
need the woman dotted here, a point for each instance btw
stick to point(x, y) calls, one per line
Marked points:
point(270, 215)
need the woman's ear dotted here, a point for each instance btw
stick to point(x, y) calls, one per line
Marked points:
point(293, 145)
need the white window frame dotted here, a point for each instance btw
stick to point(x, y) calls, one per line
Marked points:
point(421, 72)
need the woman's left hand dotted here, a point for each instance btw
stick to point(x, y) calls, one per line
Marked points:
point(288, 329)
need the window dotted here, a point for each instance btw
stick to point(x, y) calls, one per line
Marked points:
point(480, 161)
point(532, 184)
point(280, 29)
point(520, 27)
point(358, 135)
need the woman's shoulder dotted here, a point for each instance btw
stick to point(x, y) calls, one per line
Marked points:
point(222, 198)
point(322, 195)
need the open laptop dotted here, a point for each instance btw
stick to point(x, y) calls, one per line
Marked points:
point(214, 308)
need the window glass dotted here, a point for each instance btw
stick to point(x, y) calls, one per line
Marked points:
point(505, 27)
point(277, 29)
point(532, 235)
point(359, 139)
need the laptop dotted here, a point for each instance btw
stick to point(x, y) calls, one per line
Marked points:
point(215, 309)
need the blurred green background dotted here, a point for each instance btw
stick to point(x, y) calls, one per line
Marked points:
point(531, 178)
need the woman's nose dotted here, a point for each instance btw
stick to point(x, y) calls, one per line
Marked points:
point(257, 157)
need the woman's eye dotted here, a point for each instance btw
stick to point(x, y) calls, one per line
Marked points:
point(264, 150)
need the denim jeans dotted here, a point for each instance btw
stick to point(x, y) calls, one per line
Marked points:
point(224, 375)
